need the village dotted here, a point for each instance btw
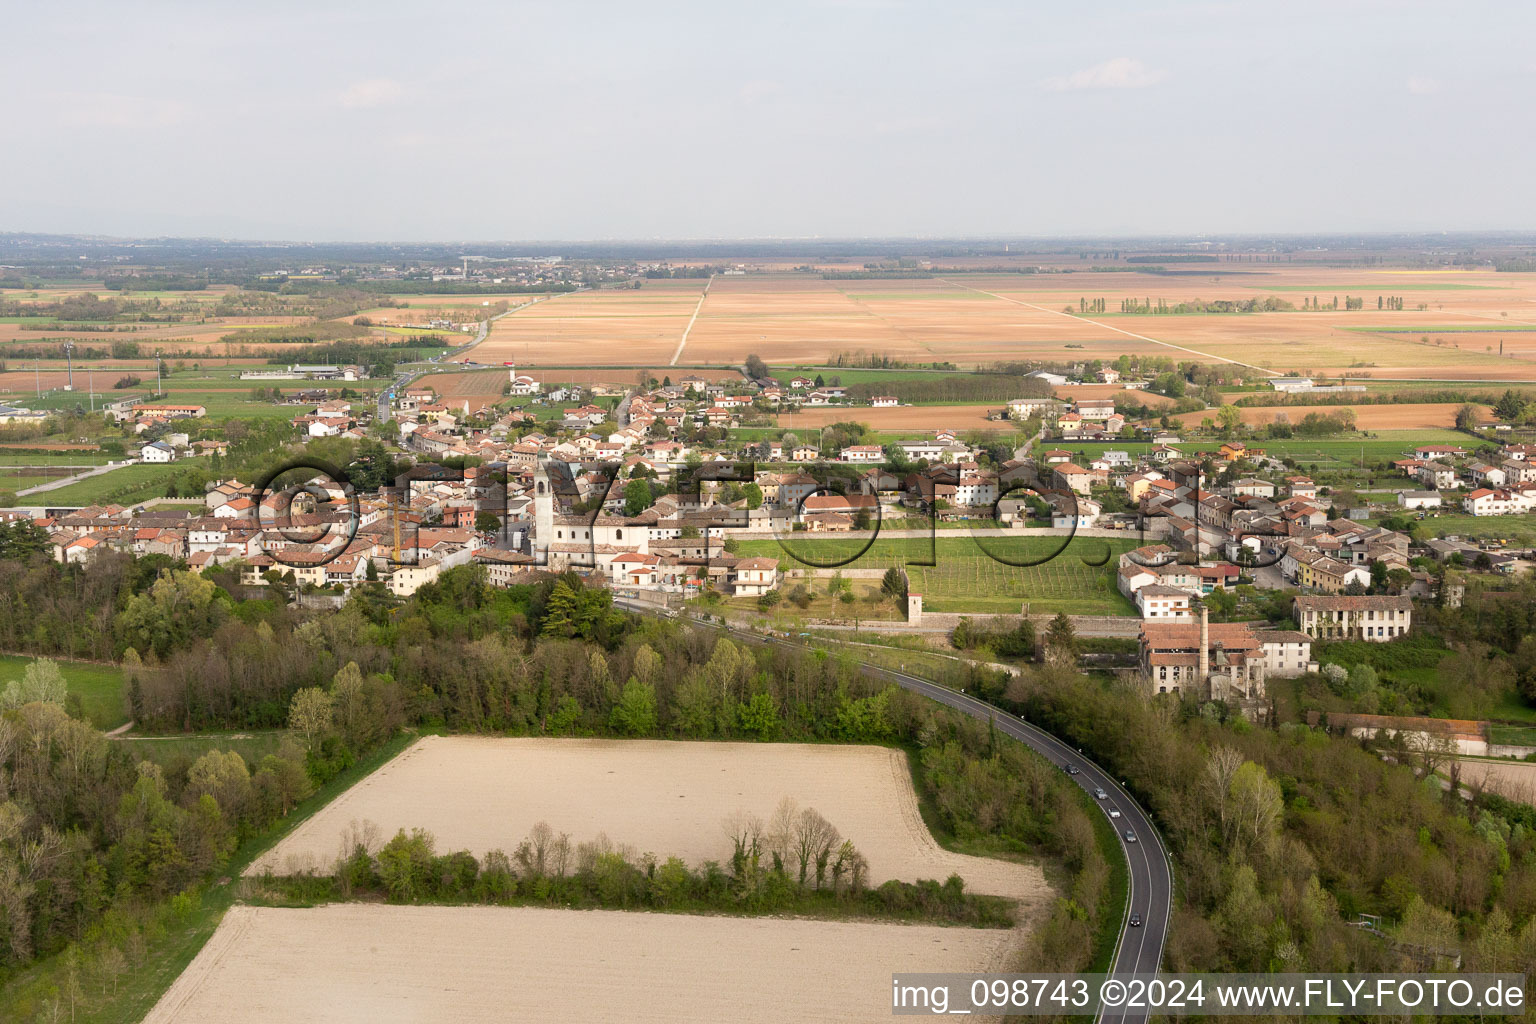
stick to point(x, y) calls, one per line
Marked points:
point(645, 491)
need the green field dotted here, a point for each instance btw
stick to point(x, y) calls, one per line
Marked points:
point(1519, 530)
point(99, 687)
point(966, 579)
point(11, 458)
point(122, 486)
point(166, 750)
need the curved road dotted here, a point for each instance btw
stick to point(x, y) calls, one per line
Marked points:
point(1139, 949)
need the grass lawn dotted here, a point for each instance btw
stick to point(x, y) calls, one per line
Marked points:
point(1519, 530)
point(252, 746)
point(1513, 735)
point(99, 687)
point(13, 458)
point(965, 579)
point(122, 486)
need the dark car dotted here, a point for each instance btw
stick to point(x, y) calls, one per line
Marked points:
point(1130, 836)
point(1070, 769)
point(1135, 920)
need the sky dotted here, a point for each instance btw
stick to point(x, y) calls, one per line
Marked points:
point(837, 118)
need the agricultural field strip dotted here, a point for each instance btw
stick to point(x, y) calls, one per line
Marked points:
point(1117, 330)
point(691, 320)
point(356, 963)
point(669, 798)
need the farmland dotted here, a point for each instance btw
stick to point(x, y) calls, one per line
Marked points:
point(357, 962)
point(666, 797)
point(975, 319)
point(121, 486)
point(1426, 416)
point(964, 578)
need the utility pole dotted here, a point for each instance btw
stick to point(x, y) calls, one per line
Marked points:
point(157, 371)
point(69, 362)
point(90, 385)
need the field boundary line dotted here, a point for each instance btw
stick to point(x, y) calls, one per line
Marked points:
point(1117, 330)
point(687, 330)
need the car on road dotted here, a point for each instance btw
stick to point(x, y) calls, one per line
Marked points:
point(1130, 836)
point(1135, 920)
point(1114, 812)
point(1070, 769)
point(1099, 794)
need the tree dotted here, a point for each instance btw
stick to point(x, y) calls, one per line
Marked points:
point(637, 496)
point(40, 681)
point(894, 584)
point(753, 495)
point(1229, 416)
point(1061, 637)
point(487, 522)
point(756, 368)
point(310, 713)
point(635, 712)
point(759, 716)
point(1466, 417)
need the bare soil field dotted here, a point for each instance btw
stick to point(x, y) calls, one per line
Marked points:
point(481, 387)
point(1367, 417)
point(640, 325)
point(367, 963)
point(627, 375)
point(667, 798)
point(1513, 780)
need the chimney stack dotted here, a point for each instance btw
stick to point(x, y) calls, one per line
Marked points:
point(1205, 646)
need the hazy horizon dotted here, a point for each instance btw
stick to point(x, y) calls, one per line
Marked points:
point(845, 119)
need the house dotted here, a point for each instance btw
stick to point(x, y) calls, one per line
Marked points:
point(753, 577)
point(1300, 487)
point(1164, 603)
point(1055, 380)
point(802, 383)
point(1372, 617)
point(862, 453)
point(884, 401)
point(1418, 499)
point(157, 451)
point(1287, 653)
point(1485, 475)
point(1081, 514)
point(1433, 452)
point(1437, 475)
point(1024, 408)
point(1488, 502)
point(1096, 408)
point(1074, 477)
point(1254, 487)
point(1108, 375)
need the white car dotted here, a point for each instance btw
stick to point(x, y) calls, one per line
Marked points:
point(1114, 812)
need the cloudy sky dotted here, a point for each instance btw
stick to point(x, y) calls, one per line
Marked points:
point(505, 120)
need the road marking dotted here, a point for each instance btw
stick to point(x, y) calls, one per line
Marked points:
point(684, 340)
point(1117, 330)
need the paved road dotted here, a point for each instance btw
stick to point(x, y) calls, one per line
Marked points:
point(1140, 949)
